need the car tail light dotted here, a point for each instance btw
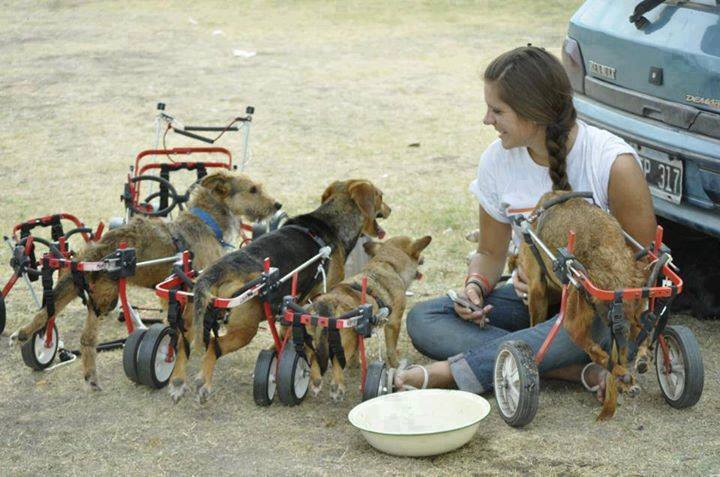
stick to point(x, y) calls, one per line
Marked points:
point(573, 62)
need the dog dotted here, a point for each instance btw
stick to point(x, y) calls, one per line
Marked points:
point(601, 248)
point(347, 210)
point(221, 198)
point(392, 268)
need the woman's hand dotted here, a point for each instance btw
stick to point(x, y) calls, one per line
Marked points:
point(519, 281)
point(472, 294)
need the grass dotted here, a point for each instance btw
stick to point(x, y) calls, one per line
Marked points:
point(340, 89)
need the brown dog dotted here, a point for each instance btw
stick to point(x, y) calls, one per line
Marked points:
point(347, 209)
point(224, 196)
point(601, 248)
point(390, 271)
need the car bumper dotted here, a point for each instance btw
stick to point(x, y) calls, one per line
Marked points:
point(701, 156)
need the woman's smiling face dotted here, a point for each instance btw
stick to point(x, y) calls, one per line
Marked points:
point(514, 130)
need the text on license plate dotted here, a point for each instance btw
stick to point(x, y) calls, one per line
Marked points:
point(664, 174)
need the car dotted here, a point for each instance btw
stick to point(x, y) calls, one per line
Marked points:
point(650, 73)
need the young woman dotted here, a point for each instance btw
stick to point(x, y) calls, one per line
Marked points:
point(541, 146)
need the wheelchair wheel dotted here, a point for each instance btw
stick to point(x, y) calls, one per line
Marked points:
point(2, 313)
point(130, 351)
point(517, 384)
point(264, 378)
point(155, 357)
point(293, 378)
point(38, 354)
point(376, 381)
point(682, 384)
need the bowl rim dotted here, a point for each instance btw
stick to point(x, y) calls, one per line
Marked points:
point(484, 402)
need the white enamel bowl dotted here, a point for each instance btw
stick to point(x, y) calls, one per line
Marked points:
point(420, 423)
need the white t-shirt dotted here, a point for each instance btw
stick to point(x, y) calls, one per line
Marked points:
point(509, 182)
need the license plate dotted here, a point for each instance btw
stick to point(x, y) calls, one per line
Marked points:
point(664, 174)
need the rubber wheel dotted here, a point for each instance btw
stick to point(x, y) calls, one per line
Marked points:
point(130, 351)
point(683, 386)
point(293, 378)
point(2, 313)
point(517, 384)
point(34, 352)
point(153, 368)
point(264, 382)
point(375, 381)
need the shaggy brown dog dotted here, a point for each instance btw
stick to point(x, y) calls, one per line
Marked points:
point(347, 209)
point(224, 196)
point(390, 271)
point(601, 248)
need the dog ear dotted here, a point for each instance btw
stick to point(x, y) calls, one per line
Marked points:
point(218, 183)
point(329, 191)
point(363, 194)
point(371, 247)
point(419, 245)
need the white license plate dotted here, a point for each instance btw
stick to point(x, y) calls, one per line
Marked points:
point(664, 174)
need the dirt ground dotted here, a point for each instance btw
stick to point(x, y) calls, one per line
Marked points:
point(341, 89)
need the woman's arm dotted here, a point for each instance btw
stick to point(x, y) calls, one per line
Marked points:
point(487, 264)
point(630, 201)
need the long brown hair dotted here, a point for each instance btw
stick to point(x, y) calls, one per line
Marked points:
point(534, 84)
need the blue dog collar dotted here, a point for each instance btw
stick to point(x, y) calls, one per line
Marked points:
point(210, 222)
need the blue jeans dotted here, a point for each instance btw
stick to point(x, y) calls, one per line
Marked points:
point(439, 333)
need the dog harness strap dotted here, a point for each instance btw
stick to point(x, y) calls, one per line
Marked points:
point(210, 222)
point(201, 170)
point(300, 337)
point(618, 327)
point(56, 228)
point(369, 291)
point(164, 193)
point(179, 242)
point(335, 346)
point(318, 240)
point(48, 300)
point(82, 288)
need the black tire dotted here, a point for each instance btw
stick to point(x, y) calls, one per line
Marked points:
point(375, 381)
point(130, 351)
point(153, 369)
point(293, 379)
point(34, 352)
point(685, 351)
point(517, 399)
point(264, 382)
point(2, 313)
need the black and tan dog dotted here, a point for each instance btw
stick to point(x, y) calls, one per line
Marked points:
point(390, 271)
point(601, 248)
point(347, 209)
point(216, 205)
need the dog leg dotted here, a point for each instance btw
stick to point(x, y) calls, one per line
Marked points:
point(537, 301)
point(88, 343)
point(392, 332)
point(236, 337)
point(178, 380)
point(337, 388)
point(315, 372)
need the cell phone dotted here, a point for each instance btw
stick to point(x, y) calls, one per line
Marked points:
point(462, 301)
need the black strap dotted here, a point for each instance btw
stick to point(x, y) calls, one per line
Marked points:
point(536, 253)
point(176, 321)
point(82, 288)
point(381, 304)
point(619, 327)
point(48, 299)
point(335, 347)
point(56, 228)
point(211, 323)
point(201, 170)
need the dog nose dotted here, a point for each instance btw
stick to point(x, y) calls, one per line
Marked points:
point(278, 206)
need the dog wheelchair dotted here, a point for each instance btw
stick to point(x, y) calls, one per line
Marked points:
point(41, 349)
point(678, 362)
point(23, 259)
point(148, 168)
point(284, 370)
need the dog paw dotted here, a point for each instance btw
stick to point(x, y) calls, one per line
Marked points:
point(92, 382)
point(641, 366)
point(316, 388)
point(16, 339)
point(177, 389)
point(633, 391)
point(203, 394)
point(198, 382)
point(337, 393)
